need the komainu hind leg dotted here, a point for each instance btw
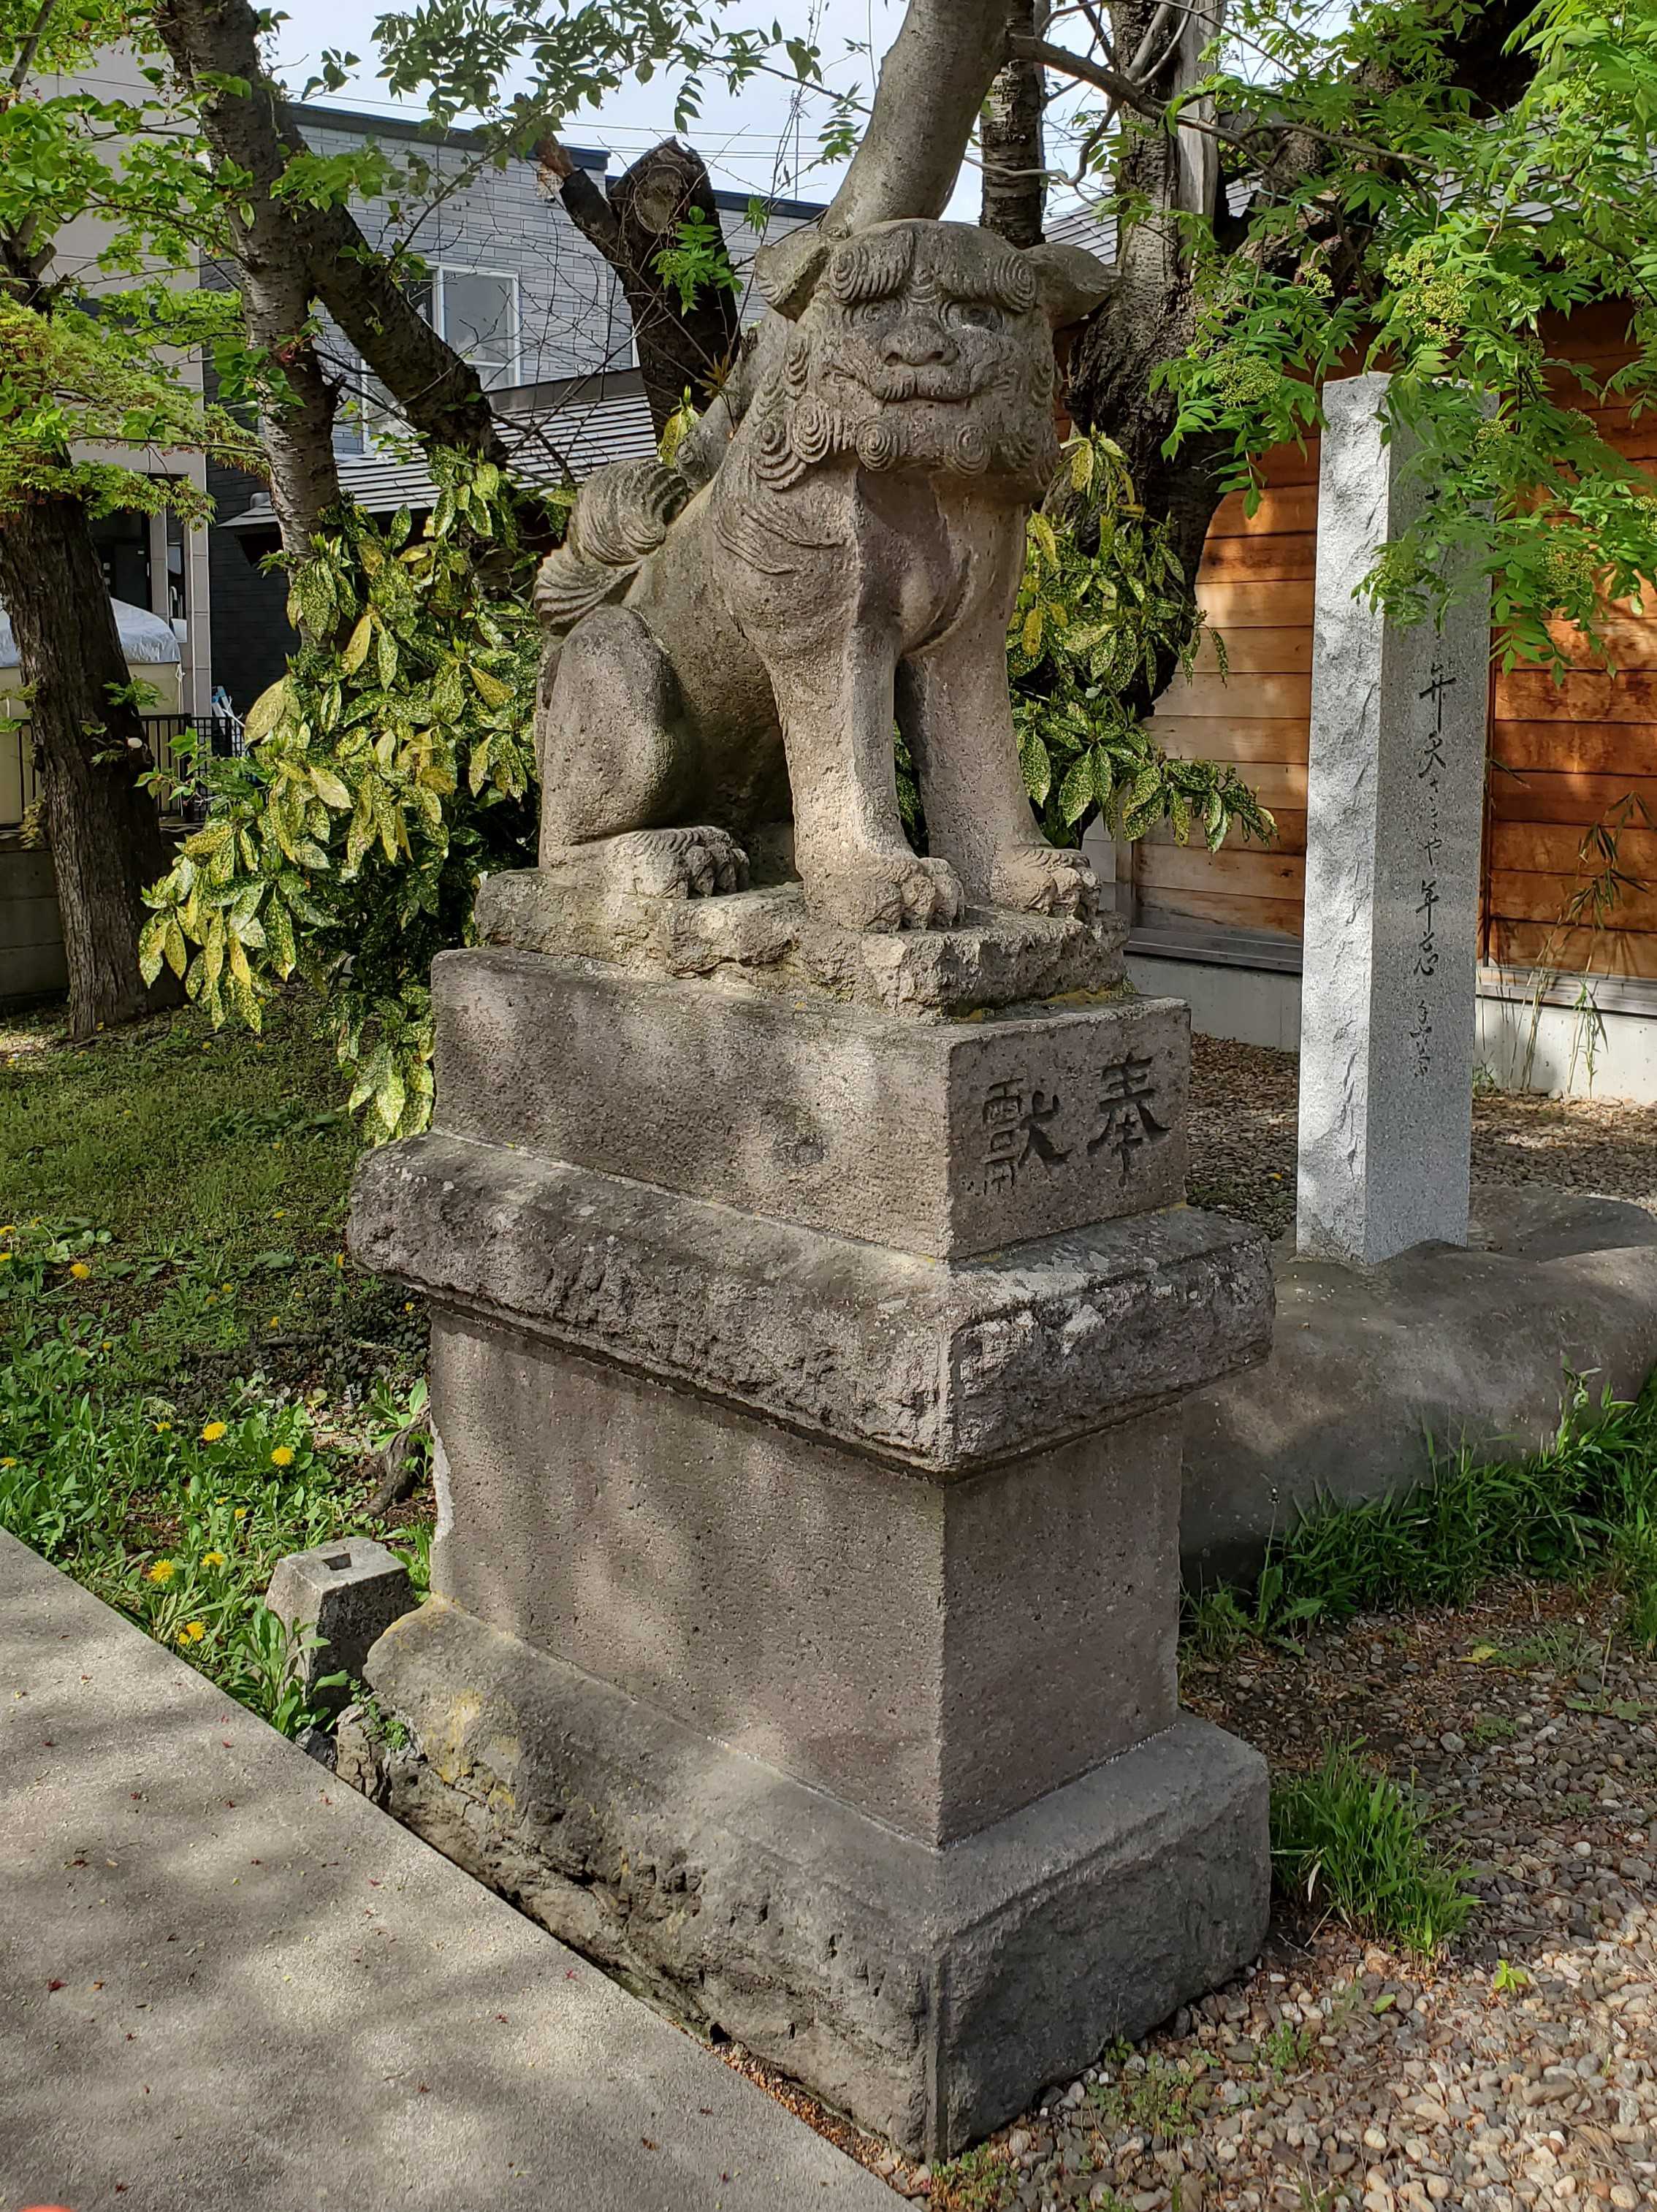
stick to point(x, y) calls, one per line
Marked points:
point(614, 771)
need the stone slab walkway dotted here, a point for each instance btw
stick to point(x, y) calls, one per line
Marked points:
point(229, 1985)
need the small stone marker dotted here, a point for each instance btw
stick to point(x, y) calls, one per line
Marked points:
point(1395, 794)
point(349, 1593)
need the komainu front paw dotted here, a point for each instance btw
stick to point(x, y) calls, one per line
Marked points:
point(886, 890)
point(1044, 879)
point(677, 863)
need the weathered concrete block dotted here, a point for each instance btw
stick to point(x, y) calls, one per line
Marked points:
point(1474, 1346)
point(941, 1365)
point(349, 1593)
point(941, 1139)
point(928, 1992)
point(893, 1634)
point(762, 1538)
point(995, 957)
point(1395, 800)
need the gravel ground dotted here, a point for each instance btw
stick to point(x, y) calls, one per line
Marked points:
point(1242, 1137)
point(1518, 2069)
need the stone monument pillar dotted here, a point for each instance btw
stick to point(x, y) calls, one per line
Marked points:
point(811, 1314)
point(1395, 801)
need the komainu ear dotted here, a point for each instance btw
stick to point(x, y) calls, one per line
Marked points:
point(1072, 282)
point(787, 270)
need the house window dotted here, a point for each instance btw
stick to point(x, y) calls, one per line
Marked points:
point(477, 311)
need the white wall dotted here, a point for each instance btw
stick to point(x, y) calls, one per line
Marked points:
point(1607, 1051)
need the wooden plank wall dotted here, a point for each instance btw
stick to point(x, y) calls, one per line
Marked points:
point(1567, 755)
point(1564, 756)
point(1255, 586)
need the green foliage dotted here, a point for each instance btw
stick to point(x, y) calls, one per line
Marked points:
point(1353, 1842)
point(391, 767)
point(146, 1446)
point(1586, 1503)
point(83, 357)
point(1288, 2048)
point(74, 374)
point(210, 1176)
point(1150, 2096)
point(1103, 613)
point(1474, 230)
point(178, 1527)
point(697, 260)
point(982, 2180)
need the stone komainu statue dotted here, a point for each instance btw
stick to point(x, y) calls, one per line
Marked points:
point(842, 536)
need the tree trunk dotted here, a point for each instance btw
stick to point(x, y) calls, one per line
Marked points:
point(1011, 139)
point(678, 350)
point(935, 76)
point(319, 251)
point(104, 835)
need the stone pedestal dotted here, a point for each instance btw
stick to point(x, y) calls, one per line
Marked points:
point(806, 1379)
point(1395, 800)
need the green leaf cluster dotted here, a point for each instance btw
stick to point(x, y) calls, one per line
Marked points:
point(1459, 240)
point(390, 768)
point(697, 260)
point(1103, 607)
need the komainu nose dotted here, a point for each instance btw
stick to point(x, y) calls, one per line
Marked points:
point(920, 343)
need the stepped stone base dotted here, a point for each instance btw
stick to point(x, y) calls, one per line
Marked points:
point(766, 938)
point(928, 1992)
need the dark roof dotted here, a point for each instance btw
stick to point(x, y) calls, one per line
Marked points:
point(315, 116)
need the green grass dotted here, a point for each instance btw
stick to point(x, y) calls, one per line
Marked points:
point(1585, 1506)
point(1353, 1843)
point(190, 1373)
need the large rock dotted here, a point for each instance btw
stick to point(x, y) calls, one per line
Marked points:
point(1373, 1368)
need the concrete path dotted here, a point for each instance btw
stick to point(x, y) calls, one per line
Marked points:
point(228, 1981)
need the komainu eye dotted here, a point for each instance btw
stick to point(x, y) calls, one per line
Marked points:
point(976, 315)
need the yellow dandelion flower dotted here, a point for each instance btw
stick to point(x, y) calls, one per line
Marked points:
point(241, 1513)
point(213, 1431)
point(192, 1631)
point(226, 1286)
point(282, 1456)
point(10, 1229)
point(212, 1558)
point(275, 1321)
point(161, 1427)
point(79, 1269)
point(163, 1571)
point(8, 1463)
point(281, 1214)
point(4, 1256)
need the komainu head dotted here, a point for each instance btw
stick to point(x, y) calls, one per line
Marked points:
point(916, 345)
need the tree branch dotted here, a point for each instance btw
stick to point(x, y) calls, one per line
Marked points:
point(31, 45)
point(932, 85)
point(1139, 95)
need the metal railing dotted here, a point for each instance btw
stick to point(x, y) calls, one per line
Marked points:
point(20, 777)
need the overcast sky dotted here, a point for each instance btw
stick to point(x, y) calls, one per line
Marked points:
point(749, 141)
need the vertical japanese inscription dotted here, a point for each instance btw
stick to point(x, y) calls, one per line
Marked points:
point(1429, 774)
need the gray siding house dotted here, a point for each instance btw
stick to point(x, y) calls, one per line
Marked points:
point(514, 287)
